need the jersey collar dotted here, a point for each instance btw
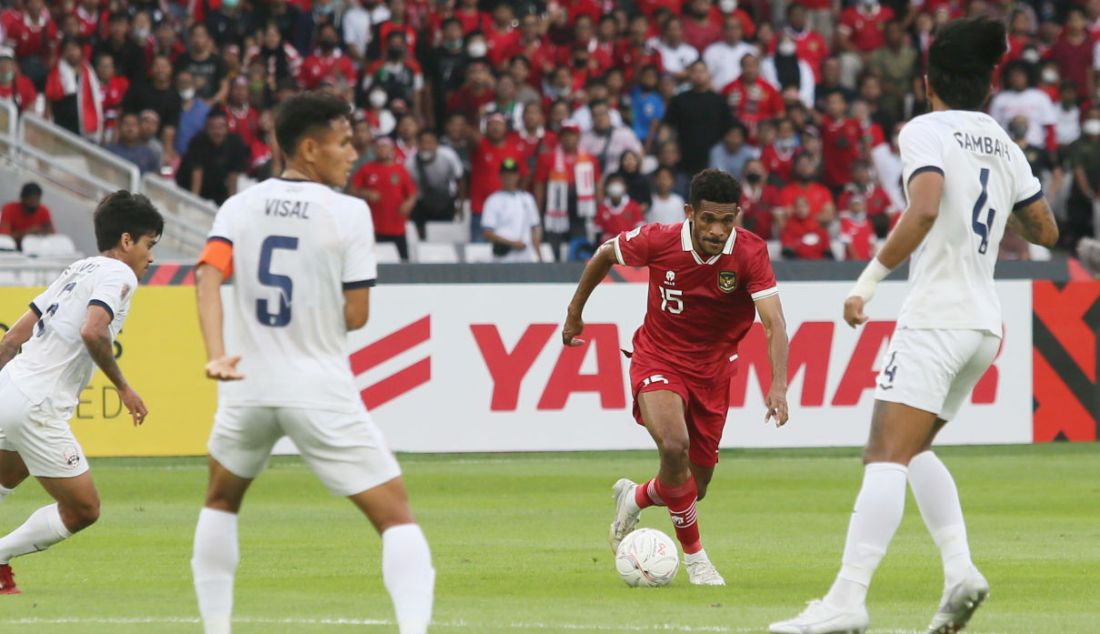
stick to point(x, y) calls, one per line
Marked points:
point(685, 244)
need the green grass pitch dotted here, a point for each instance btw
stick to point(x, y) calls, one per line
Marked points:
point(519, 545)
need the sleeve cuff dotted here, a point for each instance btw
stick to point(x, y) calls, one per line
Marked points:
point(767, 292)
point(219, 239)
point(348, 286)
point(36, 309)
point(921, 170)
point(1030, 199)
point(102, 304)
point(618, 251)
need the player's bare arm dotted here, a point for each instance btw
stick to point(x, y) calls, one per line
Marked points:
point(18, 335)
point(356, 307)
point(96, 334)
point(775, 326)
point(1035, 223)
point(208, 283)
point(925, 192)
point(594, 272)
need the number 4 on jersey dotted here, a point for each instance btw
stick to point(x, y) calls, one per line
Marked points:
point(983, 228)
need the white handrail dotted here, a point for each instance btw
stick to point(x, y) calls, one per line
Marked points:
point(9, 118)
point(176, 201)
point(122, 173)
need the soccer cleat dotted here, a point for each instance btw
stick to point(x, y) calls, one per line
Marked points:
point(7, 580)
point(959, 604)
point(625, 521)
point(703, 573)
point(819, 618)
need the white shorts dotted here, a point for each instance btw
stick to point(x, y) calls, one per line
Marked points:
point(40, 434)
point(935, 370)
point(345, 449)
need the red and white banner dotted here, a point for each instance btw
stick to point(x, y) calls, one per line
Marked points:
point(480, 367)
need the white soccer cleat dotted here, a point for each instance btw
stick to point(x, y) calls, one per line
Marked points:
point(703, 573)
point(819, 618)
point(959, 604)
point(625, 520)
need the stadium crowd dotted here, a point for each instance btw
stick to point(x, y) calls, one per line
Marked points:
point(605, 107)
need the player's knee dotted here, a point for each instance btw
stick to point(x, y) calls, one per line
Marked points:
point(218, 502)
point(702, 491)
point(80, 514)
point(674, 451)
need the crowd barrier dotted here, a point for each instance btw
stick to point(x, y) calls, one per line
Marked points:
point(480, 367)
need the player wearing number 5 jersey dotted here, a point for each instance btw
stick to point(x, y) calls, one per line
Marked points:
point(302, 261)
point(966, 182)
point(707, 281)
point(68, 331)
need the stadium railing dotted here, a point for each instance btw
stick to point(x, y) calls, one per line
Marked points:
point(9, 126)
point(180, 207)
point(68, 152)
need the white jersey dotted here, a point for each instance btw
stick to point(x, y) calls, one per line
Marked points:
point(985, 176)
point(297, 246)
point(54, 364)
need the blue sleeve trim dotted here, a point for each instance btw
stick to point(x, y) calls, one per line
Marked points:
point(36, 309)
point(1030, 199)
point(921, 170)
point(219, 239)
point(348, 286)
point(102, 304)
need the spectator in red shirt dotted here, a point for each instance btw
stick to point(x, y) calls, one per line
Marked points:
point(27, 216)
point(805, 186)
point(326, 61)
point(398, 23)
point(1073, 52)
point(535, 48)
point(534, 135)
point(860, 32)
point(502, 38)
point(390, 192)
point(803, 237)
point(702, 24)
point(856, 232)
point(840, 138)
point(475, 93)
point(472, 18)
point(759, 200)
point(243, 119)
point(567, 188)
point(751, 98)
point(618, 212)
point(15, 87)
point(778, 157)
point(487, 153)
point(34, 37)
point(810, 43)
point(876, 202)
point(112, 90)
point(89, 19)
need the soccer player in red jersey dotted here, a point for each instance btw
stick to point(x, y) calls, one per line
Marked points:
point(707, 281)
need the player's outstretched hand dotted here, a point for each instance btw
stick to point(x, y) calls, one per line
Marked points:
point(776, 402)
point(574, 326)
point(853, 311)
point(133, 404)
point(224, 369)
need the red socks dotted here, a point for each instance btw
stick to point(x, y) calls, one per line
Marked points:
point(681, 507)
point(645, 495)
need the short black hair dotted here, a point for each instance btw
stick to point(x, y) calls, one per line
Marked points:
point(305, 114)
point(715, 186)
point(125, 212)
point(30, 189)
point(962, 58)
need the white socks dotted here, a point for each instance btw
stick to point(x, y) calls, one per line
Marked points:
point(938, 499)
point(409, 577)
point(42, 529)
point(695, 557)
point(4, 492)
point(213, 564)
point(875, 518)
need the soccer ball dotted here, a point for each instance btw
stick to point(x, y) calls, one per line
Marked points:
point(647, 558)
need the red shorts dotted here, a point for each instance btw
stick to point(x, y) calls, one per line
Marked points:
point(706, 405)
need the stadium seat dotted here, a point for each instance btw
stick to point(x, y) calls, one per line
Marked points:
point(7, 243)
point(53, 246)
point(775, 250)
point(387, 253)
point(412, 238)
point(447, 232)
point(1038, 253)
point(547, 252)
point(840, 251)
point(430, 253)
point(479, 252)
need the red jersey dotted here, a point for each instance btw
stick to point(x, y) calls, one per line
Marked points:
point(244, 122)
point(318, 67)
point(857, 235)
point(395, 185)
point(840, 140)
point(778, 161)
point(810, 47)
point(578, 8)
point(865, 30)
point(702, 34)
point(757, 205)
point(466, 101)
point(33, 39)
point(815, 193)
point(753, 103)
point(473, 20)
point(698, 310)
point(805, 238)
point(388, 27)
point(20, 92)
point(15, 219)
point(875, 199)
point(613, 220)
point(502, 44)
point(650, 7)
point(485, 160)
point(112, 93)
point(88, 22)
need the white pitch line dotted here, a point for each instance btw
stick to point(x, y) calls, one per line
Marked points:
point(175, 620)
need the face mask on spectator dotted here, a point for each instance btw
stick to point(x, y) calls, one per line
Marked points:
point(1050, 76)
point(187, 94)
point(1031, 56)
point(377, 98)
point(616, 190)
point(869, 4)
point(1092, 127)
point(395, 54)
point(1017, 131)
point(785, 144)
point(230, 4)
point(727, 6)
point(754, 177)
point(8, 76)
point(141, 34)
point(477, 48)
point(426, 156)
point(787, 48)
point(452, 46)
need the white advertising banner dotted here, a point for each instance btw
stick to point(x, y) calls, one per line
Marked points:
point(481, 367)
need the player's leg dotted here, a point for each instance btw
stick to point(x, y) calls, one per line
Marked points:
point(13, 471)
point(76, 508)
point(240, 444)
point(703, 476)
point(349, 455)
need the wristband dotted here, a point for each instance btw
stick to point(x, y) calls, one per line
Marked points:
point(868, 280)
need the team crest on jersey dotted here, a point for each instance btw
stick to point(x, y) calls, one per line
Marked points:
point(670, 278)
point(727, 281)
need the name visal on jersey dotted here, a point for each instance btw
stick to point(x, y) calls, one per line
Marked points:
point(986, 176)
point(698, 309)
point(296, 246)
point(54, 364)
